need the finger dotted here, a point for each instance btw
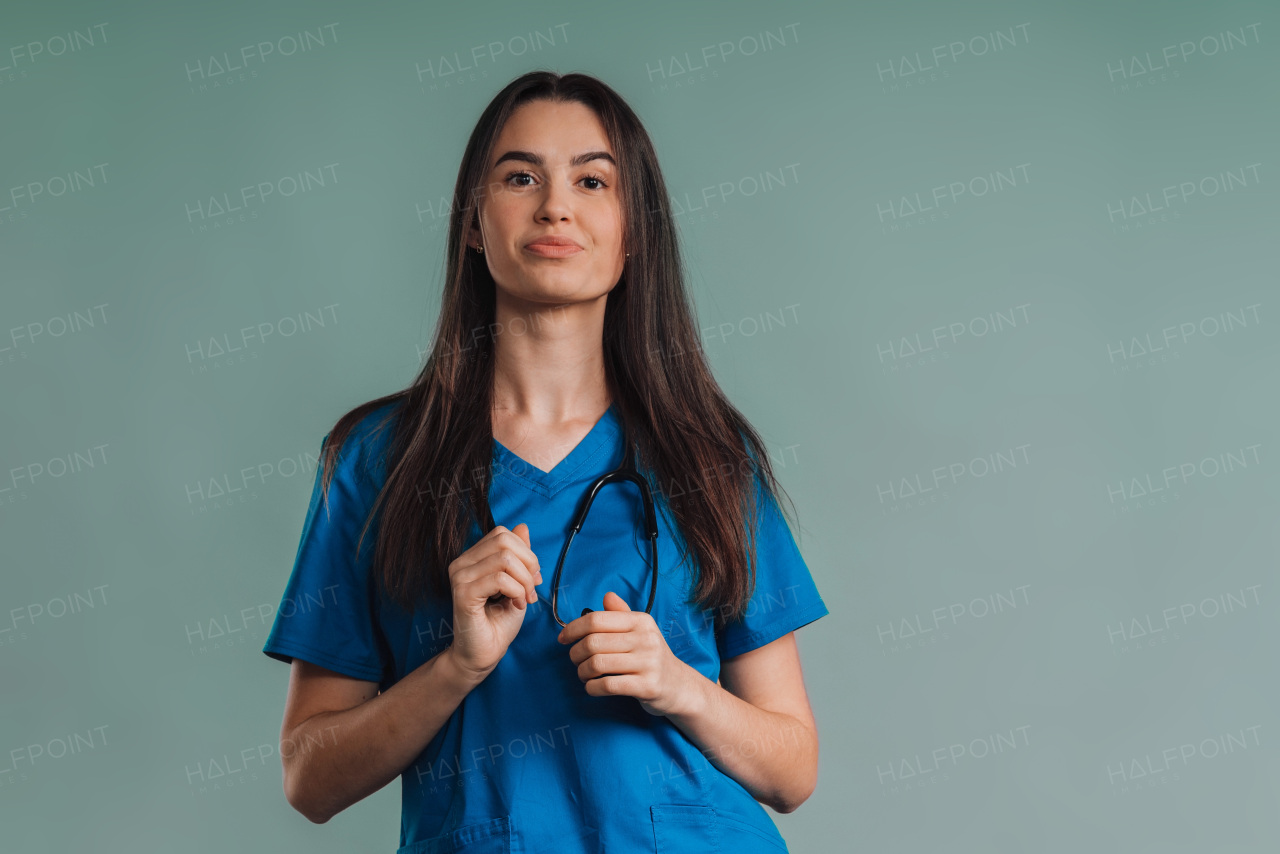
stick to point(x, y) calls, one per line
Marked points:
point(479, 549)
point(507, 560)
point(501, 538)
point(522, 590)
point(608, 664)
point(487, 586)
point(601, 643)
point(599, 621)
point(614, 602)
point(489, 580)
point(627, 685)
point(574, 629)
point(514, 565)
point(519, 543)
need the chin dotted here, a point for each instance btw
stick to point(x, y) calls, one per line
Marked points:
point(556, 295)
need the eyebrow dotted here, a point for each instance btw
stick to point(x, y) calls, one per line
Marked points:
point(536, 159)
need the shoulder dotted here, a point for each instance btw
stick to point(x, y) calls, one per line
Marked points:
point(362, 457)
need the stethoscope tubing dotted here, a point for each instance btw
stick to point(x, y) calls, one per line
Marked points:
point(626, 471)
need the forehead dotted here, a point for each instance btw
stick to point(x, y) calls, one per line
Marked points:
point(556, 130)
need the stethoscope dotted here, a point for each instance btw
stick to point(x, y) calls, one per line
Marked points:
point(624, 472)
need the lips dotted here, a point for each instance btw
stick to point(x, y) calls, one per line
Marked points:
point(553, 247)
point(554, 240)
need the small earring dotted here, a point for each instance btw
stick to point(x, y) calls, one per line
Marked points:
point(480, 249)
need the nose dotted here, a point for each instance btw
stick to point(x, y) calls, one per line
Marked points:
point(554, 202)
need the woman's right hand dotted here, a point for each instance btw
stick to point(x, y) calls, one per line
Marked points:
point(492, 582)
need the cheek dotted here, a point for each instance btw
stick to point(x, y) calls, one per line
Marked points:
point(502, 212)
point(608, 231)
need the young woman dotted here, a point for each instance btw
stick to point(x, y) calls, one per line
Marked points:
point(422, 634)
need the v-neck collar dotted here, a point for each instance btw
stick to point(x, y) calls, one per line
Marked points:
point(599, 439)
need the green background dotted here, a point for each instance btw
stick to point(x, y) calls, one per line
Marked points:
point(995, 479)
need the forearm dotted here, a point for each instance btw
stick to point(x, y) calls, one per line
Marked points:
point(339, 758)
point(772, 755)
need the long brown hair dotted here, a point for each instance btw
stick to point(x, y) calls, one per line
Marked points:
point(700, 455)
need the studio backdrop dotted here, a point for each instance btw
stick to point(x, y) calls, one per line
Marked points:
point(996, 282)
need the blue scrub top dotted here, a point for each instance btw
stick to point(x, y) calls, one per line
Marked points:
point(530, 761)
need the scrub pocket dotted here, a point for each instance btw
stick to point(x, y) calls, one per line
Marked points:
point(485, 837)
point(698, 829)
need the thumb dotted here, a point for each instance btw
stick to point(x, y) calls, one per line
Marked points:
point(522, 531)
point(614, 602)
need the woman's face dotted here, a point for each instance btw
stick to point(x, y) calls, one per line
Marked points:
point(552, 175)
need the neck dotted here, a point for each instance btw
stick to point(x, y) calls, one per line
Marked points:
point(549, 361)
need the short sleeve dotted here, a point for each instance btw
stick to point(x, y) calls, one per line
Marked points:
point(785, 596)
point(328, 615)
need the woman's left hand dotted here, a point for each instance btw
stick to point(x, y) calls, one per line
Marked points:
point(621, 652)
